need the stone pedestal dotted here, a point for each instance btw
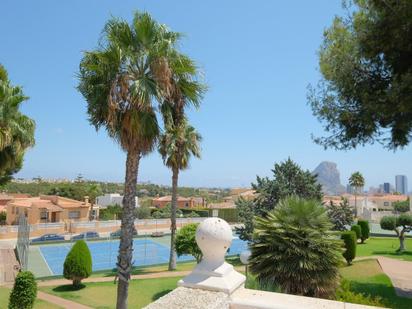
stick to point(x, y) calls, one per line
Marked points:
point(214, 237)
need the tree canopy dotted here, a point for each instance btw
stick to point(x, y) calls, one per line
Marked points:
point(365, 93)
point(16, 129)
point(289, 179)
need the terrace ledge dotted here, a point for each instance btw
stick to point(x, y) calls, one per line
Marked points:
point(215, 284)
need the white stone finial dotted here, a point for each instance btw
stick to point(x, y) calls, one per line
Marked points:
point(214, 237)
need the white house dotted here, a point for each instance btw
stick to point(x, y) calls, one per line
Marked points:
point(112, 199)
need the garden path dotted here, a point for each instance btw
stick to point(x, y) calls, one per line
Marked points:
point(400, 273)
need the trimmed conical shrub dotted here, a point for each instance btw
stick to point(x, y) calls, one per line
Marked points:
point(24, 291)
point(349, 240)
point(357, 229)
point(78, 263)
point(364, 225)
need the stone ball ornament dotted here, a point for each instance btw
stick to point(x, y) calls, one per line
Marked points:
point(214, 237)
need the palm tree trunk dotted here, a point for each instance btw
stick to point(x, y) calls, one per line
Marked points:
point(172, 259)
point(124, 259)
point(356, 206)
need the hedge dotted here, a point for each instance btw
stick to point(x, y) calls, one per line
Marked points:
point(357, 229)
point(349, 241)
point(364, 225)
point(227, 214)
point(78, 263)
point(24, 291)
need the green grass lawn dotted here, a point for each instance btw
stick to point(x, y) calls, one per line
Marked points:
point(103, 295)
point(385, 246)
point(367, 277)
point(39, 304)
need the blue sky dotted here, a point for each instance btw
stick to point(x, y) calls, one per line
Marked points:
point(258, 58)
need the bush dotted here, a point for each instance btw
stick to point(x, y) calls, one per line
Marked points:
point(186, 242)
point(78, 263)
point(294, 247)
point(364, 225)
point(349, 240)
point(192, 215)
point(24, 291)
point(227, 214)
point(344, 294)
point(357, 229)
point(143, 212)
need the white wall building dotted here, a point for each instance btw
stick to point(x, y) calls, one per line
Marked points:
point(112, 199)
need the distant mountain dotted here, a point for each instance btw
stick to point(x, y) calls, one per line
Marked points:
point(329, 177)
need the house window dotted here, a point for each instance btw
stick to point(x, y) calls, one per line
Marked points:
point(385, 203)
point(187, 205)
point(44, 215)
point(74, 214)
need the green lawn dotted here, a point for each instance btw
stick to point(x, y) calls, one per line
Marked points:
point(367, 277)
point(39, 304)
point(103, 295)
point(385, 246)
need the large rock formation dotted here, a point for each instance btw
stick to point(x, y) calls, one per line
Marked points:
point(329, 177)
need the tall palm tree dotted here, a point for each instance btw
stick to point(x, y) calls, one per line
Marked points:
point(120, 81)
point(356, 181)
point(177, 145)
point(16, 129)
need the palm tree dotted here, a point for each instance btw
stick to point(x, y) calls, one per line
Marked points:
point(120, 80)
point(294, 248)
point(176, 146)
point(356, 181)
point(93, 191)
point(16, 129)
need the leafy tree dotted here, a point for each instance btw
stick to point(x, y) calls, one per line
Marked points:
point(401, 206)
point(186, 242)
point(366, 89)
point(120, 80)
point(401, 225)
point(357, 229)
point(245, 215)
point(24, 291)
point(365, 230)
point(340, 215)
point(349, 241)
point(357, 182)
point(78, 263)
point(111, 212)
point(294, 247)
point(16, 129)
point(288, 180)
point(177, 144)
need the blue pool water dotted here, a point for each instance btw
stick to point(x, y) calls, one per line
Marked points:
point(104, 253)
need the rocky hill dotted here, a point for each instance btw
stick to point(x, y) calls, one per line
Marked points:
point(329, 177)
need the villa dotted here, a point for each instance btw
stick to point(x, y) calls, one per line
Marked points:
point(182, 202)
point(47, 208)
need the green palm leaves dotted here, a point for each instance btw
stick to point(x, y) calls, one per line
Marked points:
point(294, 248)
point(178, 144)
point(135, 73)
point(356, 180)
point(16, 129)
